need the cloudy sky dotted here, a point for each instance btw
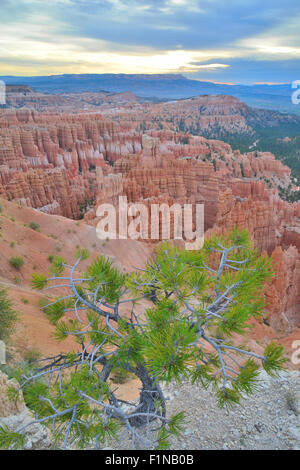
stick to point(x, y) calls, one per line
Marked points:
point(231, 41)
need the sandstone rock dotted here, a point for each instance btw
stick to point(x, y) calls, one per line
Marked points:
point(283, 293)
point(7, 406)
point(60, 164)
point(37, 437)
point(15, 415)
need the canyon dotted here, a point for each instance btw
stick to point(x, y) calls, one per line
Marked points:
point(58, 162)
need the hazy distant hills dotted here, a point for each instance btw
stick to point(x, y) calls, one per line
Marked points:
point(169, 87)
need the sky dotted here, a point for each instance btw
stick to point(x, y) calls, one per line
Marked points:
point(232, 41)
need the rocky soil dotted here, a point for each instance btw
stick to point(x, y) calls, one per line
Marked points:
point(268, 419)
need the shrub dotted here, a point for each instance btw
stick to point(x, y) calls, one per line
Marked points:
point(57, 266)
point(31, 356)
point(8, 316)
point(34, 226)
point(17, 262)
point(120, 376)
point(291, 402)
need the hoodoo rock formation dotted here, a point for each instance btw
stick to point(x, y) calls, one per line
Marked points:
point(209, 172)
point(283, 294)
point(49, 161)
point(68, 164)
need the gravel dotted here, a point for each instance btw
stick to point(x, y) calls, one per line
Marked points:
point(267, 420)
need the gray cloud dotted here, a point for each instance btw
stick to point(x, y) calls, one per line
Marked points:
point(148, 27)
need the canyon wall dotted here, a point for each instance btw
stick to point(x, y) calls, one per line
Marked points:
point(48, 161)
point(68, 164)
point(209, 172)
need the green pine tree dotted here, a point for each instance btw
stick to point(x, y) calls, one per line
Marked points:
point(199, 299)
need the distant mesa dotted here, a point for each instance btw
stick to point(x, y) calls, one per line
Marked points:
point(19, 89)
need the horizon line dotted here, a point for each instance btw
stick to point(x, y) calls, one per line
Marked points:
point(254, 83)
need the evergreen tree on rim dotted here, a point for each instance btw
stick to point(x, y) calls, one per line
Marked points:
point(197, 300)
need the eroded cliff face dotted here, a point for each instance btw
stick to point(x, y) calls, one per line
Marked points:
point(209, 172)
point(49, 161)
point(69, 164)
point(209, 115)
point(283, 294)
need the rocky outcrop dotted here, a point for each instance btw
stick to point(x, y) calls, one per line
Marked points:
point(230, 199)
point(214, 116)
point(14, 415)
point(234, 191)
point(9, 406)
point(283, 293)
point(36, 149)
point(48, 190)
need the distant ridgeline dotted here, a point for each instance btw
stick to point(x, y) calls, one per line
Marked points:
point(19, 89)
point(243, 127)
point(163, 86)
